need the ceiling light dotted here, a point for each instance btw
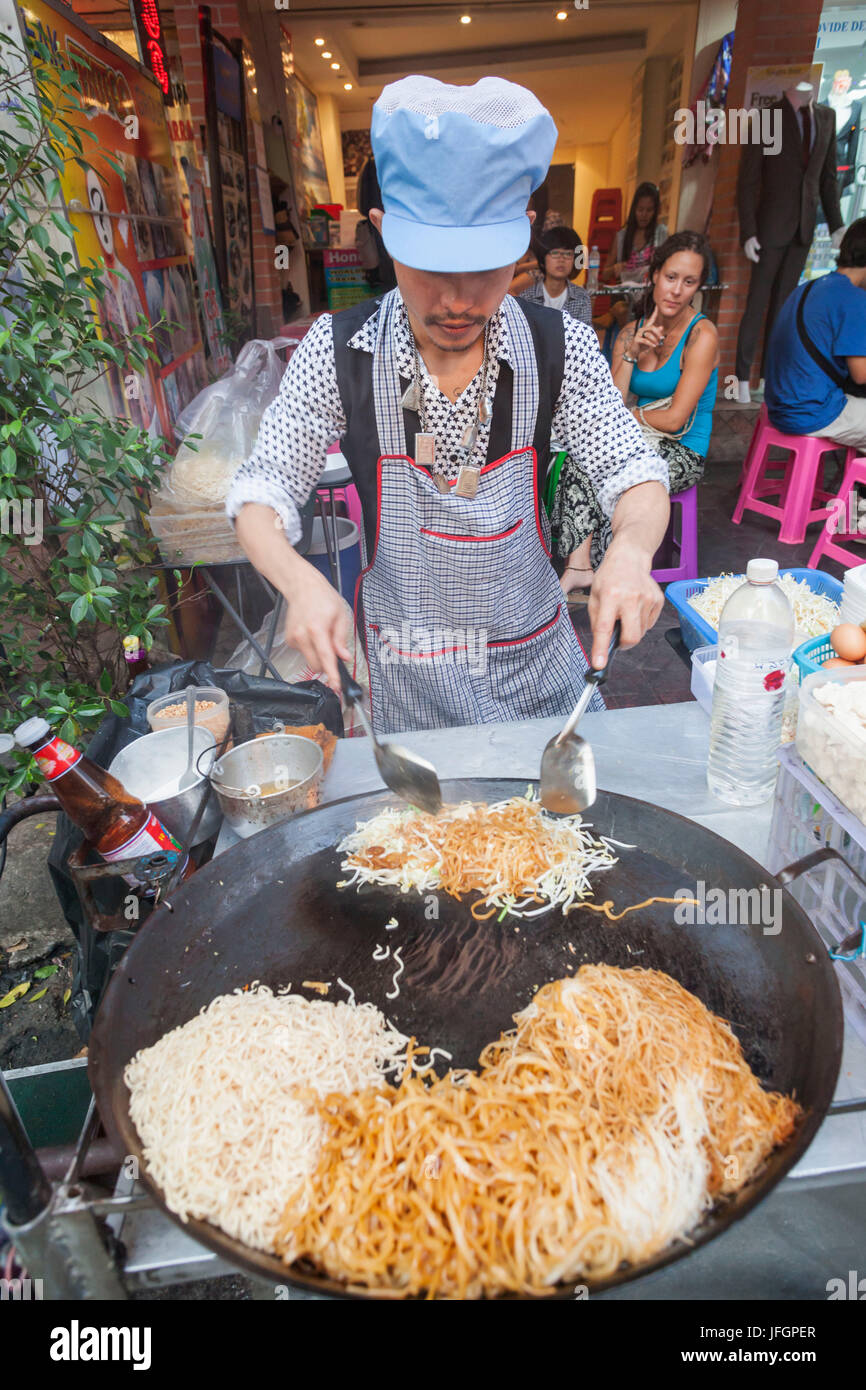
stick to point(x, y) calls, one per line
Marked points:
point(562, 14)
point(347, 86)
point(320, 43)
point(336, 67)
point(326, 54)
point(466, 19)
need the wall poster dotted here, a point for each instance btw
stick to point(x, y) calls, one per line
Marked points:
point(130, 217)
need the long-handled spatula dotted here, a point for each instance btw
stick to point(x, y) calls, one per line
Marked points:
point(567, 763)
point(410, 777)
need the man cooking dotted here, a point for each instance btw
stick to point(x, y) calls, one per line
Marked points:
point(445, 396)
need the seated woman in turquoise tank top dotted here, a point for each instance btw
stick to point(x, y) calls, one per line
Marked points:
point(670, 354)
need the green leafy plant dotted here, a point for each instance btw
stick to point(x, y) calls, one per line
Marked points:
point(236, 327)
point(73, 478)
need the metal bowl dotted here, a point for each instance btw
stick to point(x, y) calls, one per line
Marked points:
point(267, 779)
point(151, 766)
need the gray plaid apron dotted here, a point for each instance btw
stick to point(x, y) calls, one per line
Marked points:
point(462, 614)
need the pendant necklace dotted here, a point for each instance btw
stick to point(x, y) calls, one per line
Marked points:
point(425, 441)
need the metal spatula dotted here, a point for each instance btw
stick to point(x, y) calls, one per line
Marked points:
point(567, 763)
point(411, 777)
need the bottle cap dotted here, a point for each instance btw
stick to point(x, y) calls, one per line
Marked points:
point(762, 571)
point(32, 729)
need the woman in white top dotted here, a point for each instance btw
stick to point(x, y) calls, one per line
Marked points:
point(632, 249)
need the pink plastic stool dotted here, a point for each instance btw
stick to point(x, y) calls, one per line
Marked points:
point(348, 495)
point(687, 545)
point(841, 514)
point(798, 487)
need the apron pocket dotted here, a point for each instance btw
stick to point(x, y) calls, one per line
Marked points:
point(538, 674)
point(461, 538)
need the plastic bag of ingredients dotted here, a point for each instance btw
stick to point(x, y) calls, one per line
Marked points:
point(226, 415)
point(293, 667)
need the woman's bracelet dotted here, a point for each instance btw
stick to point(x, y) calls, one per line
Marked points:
point(632, 361)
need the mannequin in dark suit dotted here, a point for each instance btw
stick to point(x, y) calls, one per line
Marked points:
point(777, 198)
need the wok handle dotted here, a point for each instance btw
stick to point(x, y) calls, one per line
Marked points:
point(31, 806)
point(598, 675)
point(803, 866)
point(351, 689)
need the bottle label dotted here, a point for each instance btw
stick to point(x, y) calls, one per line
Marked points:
point(56, 757)
point(152, 838)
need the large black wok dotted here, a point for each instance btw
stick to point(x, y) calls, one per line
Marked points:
point(269, 910)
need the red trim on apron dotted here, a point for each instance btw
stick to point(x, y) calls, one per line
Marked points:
point(474, 540)
point(516, 641)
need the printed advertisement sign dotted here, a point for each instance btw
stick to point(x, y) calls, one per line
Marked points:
point(206, 273)
point(127, 213)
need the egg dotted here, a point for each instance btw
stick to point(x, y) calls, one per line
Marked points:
point(836, 662)
point(849, 641)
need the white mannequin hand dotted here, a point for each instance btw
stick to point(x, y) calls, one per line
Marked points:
point(836, 238)
point(752, 249)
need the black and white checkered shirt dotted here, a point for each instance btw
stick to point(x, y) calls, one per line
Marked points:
point(590, 419)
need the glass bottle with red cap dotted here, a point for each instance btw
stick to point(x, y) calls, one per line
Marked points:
point(115, 822)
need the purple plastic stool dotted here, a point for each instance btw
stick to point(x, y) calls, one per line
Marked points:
point(687, 545)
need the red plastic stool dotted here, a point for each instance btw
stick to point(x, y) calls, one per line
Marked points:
point(687, 546)
point(842, 514)
point(798, 487)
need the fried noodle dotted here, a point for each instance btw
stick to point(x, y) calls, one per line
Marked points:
point(512, 853)
point(597, 1131)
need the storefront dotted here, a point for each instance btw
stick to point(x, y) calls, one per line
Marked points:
point(126, 204)
point(841, 49)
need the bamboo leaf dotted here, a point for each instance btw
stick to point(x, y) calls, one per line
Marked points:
point(14, 994)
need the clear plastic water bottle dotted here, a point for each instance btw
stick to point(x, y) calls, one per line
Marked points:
point(756, 637)
point(592, 272)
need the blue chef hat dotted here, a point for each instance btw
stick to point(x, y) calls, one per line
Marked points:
point(456, 167)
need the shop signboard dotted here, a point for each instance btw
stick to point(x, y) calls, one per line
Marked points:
point(766, 85)
point(842, 28)
point(344, 277)
point(123, 201)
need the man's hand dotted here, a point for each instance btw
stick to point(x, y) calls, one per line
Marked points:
point(315, 622)
point(623, 588)
point(752, 249)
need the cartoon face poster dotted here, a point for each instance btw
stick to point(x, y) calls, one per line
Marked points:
point(126, 211)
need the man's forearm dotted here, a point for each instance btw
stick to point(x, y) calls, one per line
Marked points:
point(640, 518)
point(264, 542)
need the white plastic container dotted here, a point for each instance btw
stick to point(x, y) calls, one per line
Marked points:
point(704, 675)
point(853, 602)
point(756, 634)
point(833, 744)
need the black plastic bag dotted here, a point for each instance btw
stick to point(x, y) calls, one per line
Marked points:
point(307, 702)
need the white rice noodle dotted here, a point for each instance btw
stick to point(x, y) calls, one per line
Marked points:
point(227, 1137)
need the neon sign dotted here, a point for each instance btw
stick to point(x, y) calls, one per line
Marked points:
point(152, 42)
